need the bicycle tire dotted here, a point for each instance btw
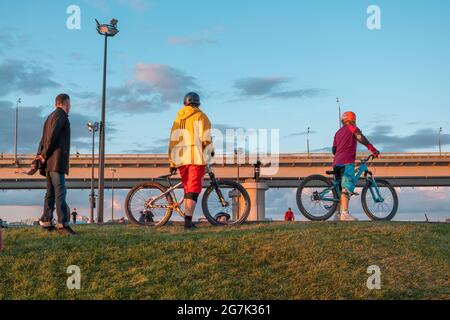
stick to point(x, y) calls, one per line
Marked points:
point(209, 215)
point(132, 192)
point(301, 206)
point(366, 207)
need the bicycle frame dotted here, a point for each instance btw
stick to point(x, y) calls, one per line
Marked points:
point(177, 204)
point(360, 170)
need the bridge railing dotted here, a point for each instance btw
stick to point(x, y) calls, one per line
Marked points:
point(316, 156)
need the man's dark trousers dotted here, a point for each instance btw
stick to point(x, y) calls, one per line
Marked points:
point(56, 196)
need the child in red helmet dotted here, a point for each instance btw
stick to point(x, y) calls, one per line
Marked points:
point(344, 149)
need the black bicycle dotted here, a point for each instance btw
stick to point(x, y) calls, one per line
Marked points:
point(318, 196)
point(224, 202)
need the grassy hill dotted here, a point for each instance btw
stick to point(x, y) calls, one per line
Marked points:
point(263, 261)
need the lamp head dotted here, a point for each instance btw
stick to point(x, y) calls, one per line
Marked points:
point(93, 126)
point(109, 30)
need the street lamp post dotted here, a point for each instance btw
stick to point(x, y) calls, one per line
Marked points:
point(339, 109)
point(16, 131)
point(440, 144)
point(237, 153)
point(106, 30)
point(92, 127)
point(307, 140)
point(113, 171)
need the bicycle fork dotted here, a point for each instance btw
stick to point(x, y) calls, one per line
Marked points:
point(375, 193)
point(216, 187)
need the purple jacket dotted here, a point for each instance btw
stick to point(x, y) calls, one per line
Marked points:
point(345, 143)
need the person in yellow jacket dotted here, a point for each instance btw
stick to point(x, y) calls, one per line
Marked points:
point(190, 147)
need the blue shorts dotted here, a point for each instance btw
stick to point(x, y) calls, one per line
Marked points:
point(346, 174)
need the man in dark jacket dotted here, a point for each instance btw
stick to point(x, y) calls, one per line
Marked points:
point(53, 153)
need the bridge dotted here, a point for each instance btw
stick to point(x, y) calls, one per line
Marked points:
point(285, 171)
point(401, 169)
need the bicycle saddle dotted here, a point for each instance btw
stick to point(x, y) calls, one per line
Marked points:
point(331, 172)
point(167, 176)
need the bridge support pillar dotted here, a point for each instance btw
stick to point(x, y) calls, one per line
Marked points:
point(257, 193)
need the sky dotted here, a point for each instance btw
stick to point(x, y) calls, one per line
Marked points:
point(256, 64)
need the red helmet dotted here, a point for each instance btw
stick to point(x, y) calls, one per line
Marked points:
point(348, 116)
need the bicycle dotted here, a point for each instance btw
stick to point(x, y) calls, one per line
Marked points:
point(318, 197)
point(224, 202)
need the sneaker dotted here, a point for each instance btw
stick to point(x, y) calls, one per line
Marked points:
point(67, 231)
point(192, 227)
point(49, 229)
point(347, 217)
point(47, 225)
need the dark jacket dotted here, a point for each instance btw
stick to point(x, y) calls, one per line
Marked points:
point(55, 142)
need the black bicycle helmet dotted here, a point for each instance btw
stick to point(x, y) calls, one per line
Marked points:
point(222, 217)
point(192, 99)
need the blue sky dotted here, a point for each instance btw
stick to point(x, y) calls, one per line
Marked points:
point(257, 64)
point(398, 76)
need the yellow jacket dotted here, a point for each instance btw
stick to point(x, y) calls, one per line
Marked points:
point(190, 138)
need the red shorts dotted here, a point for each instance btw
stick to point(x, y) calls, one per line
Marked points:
point(192, 178)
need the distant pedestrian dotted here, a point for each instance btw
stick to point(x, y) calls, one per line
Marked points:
point(289, 215)
point(74, 215)
point(1, 235)
point(53, 153)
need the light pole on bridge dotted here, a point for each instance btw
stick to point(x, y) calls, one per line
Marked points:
point(307, 140)
point(339, 110)
point(440, 144)
point(92, 127)
point(16, 131)
point(113, 171)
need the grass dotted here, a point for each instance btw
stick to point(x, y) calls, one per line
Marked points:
point(262, 261)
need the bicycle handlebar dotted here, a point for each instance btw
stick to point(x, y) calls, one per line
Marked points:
point(371, 157)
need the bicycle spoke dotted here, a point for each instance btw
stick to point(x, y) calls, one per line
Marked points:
point(382, 209)
point(140, 208)
point(315, 198)
point(234, 209)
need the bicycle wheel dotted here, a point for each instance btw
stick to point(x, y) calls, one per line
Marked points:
point(140, 211)
point(315, 198)
point(234, 211)
point(375, 209)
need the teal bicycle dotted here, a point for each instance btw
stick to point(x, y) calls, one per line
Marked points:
point(318, 197)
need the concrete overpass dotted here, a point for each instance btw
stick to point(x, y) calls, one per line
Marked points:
point(401, 169)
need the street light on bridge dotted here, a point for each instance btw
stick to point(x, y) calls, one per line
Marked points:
point(113, 171)
point(307, 140)
point(16, 132)
point(92, 127)
point(106, 30)
point(339, 110)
